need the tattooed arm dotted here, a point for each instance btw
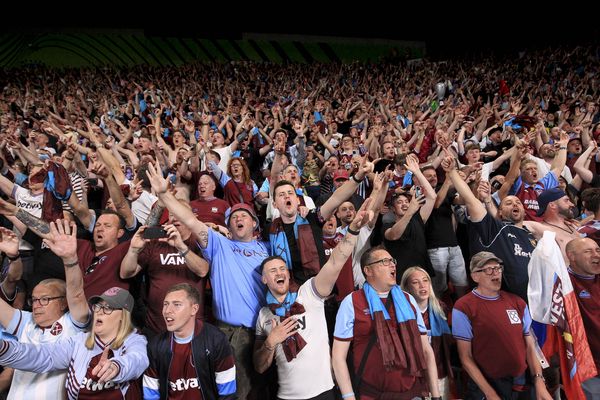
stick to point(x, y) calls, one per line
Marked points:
point(325, 279)
point(155, 213)
point(178, 209)
point(23, 220)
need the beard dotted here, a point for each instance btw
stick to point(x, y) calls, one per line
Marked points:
point(568, 213)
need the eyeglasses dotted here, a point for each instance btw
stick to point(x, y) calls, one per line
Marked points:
point(107, 310)
point(43, 301)
point(386, 262)
point(490, 270)
point(93, 265)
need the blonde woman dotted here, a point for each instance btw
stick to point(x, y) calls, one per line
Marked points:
point(417, 282)
point(104, 363)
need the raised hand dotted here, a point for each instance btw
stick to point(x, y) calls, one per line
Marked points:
point(412, 163)
point(174, 237)
point(138, 242)
point(364, 215)
point(159, 184)
point(9, 242)
point(63, 239)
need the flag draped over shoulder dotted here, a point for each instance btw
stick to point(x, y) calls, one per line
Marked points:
point(552, 301)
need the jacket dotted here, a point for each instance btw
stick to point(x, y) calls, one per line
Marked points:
point(71, 353)
point(210, 348)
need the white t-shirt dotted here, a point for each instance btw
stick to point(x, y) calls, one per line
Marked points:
point(313, 360)
point(27, 201)
point(31, 385)
point(142, 206)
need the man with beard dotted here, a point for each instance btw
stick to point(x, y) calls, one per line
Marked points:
point(556, 209)
point(505, 236)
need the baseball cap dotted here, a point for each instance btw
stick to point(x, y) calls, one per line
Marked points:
point(341, 174)
point(115, 297)
point(547, 197)
point(241, 206)
point(482, 258)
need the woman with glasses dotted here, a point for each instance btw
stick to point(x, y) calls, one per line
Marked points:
point(104, 363)
point(491, 328)
point(417, 282)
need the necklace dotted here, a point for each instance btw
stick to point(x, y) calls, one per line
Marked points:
point(569, 230)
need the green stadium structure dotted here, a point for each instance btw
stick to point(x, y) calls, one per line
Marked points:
point(129, 48)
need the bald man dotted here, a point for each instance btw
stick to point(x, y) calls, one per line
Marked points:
point(584, 270)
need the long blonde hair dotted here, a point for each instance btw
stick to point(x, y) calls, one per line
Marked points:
point(125, 328)
point(433, 302)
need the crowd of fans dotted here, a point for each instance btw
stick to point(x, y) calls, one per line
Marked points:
point(244, 229)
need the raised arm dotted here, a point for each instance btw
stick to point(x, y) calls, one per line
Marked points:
point(194, 262)
point(476, 210)
point(327, 276)
point(62, 241)
point(116, 195)
point(129, 264)
point(580, 166)
point(183, 214)
point(9, 245)
point(345, 191)
point(24, 219)
point(412, 164)
point(558, 164)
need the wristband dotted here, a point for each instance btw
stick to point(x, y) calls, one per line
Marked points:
point(71, 264)
point(184, 253)
point(15, 257)
point(437, 398)
point(562, 148)
point(345, 396)
point(355, 179)
point(352, 232)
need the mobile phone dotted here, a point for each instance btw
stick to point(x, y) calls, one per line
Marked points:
point(154, 232)
point(418, 191)
point(92, 181)
point(129, 173)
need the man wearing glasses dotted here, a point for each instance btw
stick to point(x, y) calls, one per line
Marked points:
point(402, 364)
point(59, 311)
point(491, 328)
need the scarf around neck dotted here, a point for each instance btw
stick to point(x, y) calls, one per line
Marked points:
point(401, 346)
point(288, 307)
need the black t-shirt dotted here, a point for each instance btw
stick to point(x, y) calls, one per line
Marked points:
point(299, 275)
point(439, 230)
point(411, 249)
point(297, 271)
point(513, 245)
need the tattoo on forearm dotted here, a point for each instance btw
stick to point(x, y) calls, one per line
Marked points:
point(154, 217)
point(203, 238)
point(32, 222)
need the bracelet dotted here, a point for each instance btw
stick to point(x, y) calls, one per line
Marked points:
point(71, 264)
point(15, 257)
point(355, 179)
point(345, 396)
point(539, 376)
point(436, 398)
point(352, 232)
point(562, 148)
point(69, 158)
point(184, 253)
